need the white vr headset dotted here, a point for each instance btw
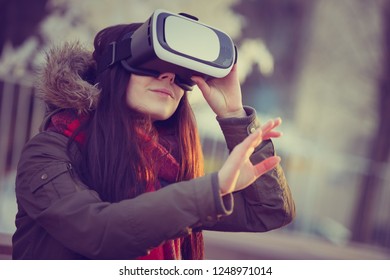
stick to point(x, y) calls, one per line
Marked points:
point(176, 43)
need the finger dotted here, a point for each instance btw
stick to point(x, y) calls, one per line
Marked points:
point(254, 139)
point(277, 121)
point(266, 165)
point(229, 172)
point(202, 85)
point(243, 150)
point(272, 134)
point(271, 124)
point(234, 69)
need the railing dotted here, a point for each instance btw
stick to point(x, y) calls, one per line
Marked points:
point(20, 116)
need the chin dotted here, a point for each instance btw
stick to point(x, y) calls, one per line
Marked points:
point(161, 117)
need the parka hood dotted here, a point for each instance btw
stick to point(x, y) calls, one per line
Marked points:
point(63, 81)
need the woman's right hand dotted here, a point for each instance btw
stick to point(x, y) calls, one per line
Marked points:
point(238, 172)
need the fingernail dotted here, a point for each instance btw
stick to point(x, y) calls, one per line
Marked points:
point(255, 131)
point(276, 160)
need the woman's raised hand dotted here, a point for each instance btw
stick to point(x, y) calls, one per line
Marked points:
point(224, 97)
point(238, 172)
point(223, 94)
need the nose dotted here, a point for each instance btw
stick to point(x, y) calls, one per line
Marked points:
point(167, 76)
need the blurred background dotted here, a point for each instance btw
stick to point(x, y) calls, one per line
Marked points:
point(321, 65)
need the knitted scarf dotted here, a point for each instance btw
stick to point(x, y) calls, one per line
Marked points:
point(66, 122)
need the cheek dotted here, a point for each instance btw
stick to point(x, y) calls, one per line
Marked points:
point(179, 92)
point(135, 90)
point(129, 96)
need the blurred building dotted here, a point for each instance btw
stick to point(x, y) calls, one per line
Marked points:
point(336, 115)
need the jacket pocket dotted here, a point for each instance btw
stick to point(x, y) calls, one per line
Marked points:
point(43, 186)
point(40, 190)
point(47, 174)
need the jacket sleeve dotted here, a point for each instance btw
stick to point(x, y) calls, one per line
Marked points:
point(266, 204)
point(49, 191)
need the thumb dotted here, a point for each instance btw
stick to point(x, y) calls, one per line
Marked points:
point(202, 85)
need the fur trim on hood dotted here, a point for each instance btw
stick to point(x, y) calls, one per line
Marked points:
point(63, 81)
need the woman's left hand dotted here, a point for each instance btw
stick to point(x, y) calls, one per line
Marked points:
point(223, 94)
point(238, 172)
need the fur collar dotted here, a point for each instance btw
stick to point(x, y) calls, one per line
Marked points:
point(62, 82)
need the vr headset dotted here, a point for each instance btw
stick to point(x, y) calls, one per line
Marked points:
point(176, 43)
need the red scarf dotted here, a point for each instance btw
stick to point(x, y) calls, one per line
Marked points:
point(190, 247)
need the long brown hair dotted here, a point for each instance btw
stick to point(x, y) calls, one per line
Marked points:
point(114, 163)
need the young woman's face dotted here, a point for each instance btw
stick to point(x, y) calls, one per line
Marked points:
point(156, 97)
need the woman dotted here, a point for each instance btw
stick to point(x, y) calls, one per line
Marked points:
point(116, 171)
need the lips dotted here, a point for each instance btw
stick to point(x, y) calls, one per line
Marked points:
point(164, 91)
